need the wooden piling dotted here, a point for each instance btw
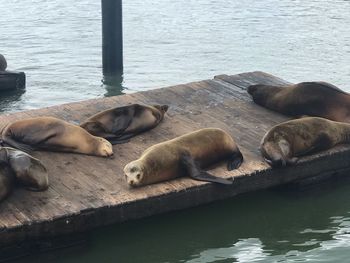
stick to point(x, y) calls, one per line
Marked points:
point(112, 37)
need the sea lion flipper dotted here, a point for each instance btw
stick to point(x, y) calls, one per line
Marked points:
point(235, 161)
point(18, 145)
point(195, 172)
point(205, 176)
point(121, 139)
point(94, 126)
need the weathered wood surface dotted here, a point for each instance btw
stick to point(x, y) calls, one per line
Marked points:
point(87, 191)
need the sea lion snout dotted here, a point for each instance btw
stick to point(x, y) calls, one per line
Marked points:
point(273, 154)
point(251, 89)
point(105, 148)
point(162, 108)
point(133, 173)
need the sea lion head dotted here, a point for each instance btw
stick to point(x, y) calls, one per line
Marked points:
point(134, 173)
point(3, 63)
point(261, 93)
point(162, 108)
point(29, 171)
point(104, 147)
point(276, 153)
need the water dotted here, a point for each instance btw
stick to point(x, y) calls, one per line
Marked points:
point(58, 44)
point(305, 225)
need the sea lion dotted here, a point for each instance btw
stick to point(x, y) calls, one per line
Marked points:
point(285, 142)
point(120, 124)
point(3, 63)
point(186, 154)
point(49, 133)
point(7, 180)
point(28, 170)
point(318, 99)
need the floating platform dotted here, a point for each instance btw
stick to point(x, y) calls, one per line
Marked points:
point(86, 192)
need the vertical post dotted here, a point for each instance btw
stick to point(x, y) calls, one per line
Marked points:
point(112, 37)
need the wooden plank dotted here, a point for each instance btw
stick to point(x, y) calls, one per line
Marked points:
point(246, 79)
point(88, 191)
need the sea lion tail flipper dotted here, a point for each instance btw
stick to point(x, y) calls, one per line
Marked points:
point(120, 139)
point(205, 176)
point(195, 172)
point(93, 127)
point(235, 161)
point(18, 145)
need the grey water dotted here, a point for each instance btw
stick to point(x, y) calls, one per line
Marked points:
point(57, 43)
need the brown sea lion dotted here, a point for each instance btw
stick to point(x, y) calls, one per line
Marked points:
point(119, 124)
point(7, 180)
point(3, 63)
point(28, 170)
point(185, 155)
point(318, 99)
point(52, 134)
point(285, 142)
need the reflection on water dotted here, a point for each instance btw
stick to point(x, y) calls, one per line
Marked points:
point(113, 84)
point(272, 226)
point(9, 98)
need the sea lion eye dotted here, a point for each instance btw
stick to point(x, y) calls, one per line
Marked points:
point(138, 176)
point(133, 169)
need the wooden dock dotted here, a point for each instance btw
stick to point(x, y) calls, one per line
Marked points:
point(87, 192)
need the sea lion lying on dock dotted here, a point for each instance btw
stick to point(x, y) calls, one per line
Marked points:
point(185, 155)
point(7, 180)
point(318, 99)
point(285, 142)
point(120, 124)
point(52, 134)
point(29, 171)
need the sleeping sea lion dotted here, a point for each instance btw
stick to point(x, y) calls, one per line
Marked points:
point(119, 124)
point(28, 170)
point(318, 99)
point(285, 142)
point(186, 154)
point(52, 134)
point(7, 180)
point(3, 63)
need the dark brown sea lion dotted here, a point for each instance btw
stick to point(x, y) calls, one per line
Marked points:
point(3, 63)
point(52, 134)
point(119, 124)
point(28, 170)
point(7, 180)
point(285, 142)
point(318, 99)
point(185, 155)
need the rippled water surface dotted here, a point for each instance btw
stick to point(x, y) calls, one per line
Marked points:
point(58, 44)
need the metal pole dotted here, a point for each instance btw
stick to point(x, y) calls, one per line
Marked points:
point(112, 37)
